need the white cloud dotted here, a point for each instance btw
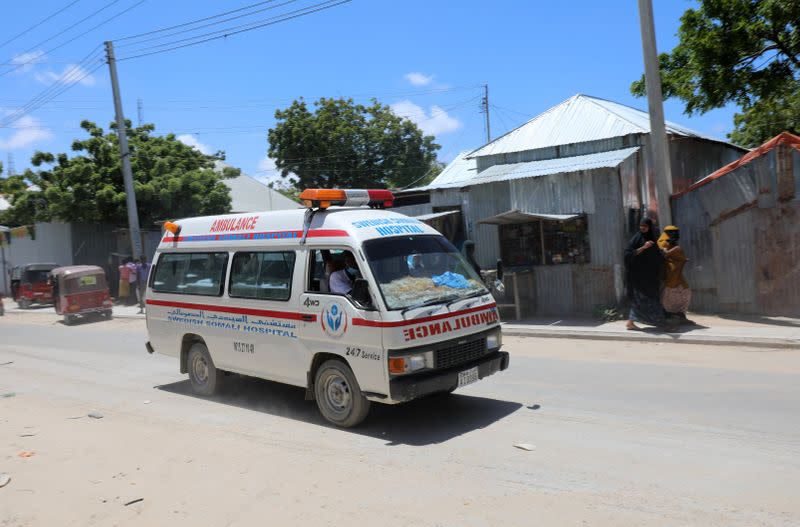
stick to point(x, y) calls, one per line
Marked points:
point(72, 74)
point(268, 173)
point(419, 79)
point(434, 122)
point(190, 140)
point(27, 60)
point(27, 131)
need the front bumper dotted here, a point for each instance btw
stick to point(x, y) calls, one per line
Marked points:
point(418, 385)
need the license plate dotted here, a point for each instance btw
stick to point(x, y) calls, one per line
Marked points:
point(467, 377)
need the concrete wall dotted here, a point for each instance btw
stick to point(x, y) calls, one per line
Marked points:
point(53, 243)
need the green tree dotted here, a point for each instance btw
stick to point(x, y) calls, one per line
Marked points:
point(346, 145)
point(171, 180)
point(745, 52)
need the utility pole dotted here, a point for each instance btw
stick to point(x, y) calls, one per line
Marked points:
point(140, 110)
point(11, 170)
point(661, 178)
point(485, 109)
point(124, 154)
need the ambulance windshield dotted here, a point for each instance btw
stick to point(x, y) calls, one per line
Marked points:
point(420, 270)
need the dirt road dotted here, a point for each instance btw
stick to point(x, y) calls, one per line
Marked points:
point(624, 434)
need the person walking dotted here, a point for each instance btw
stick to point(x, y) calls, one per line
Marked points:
point(142, 274)
point(643, 264)
point(676, 295)
point(133, 287)
point(123, 291)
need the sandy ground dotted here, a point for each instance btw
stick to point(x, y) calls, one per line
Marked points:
point(624, 434)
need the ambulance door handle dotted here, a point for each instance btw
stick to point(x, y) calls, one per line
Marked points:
point(307, 318)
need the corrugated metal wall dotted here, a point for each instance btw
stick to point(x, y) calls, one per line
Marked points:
point(414, 210)
point(486, 201)
point(53, 243)
point(742, 238)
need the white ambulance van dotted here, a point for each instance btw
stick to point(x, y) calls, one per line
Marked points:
point(352, 302)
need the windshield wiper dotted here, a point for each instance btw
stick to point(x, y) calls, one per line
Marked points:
point(471, 295)
point(430, 302)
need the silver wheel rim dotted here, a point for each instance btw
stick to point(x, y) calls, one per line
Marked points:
point(200, 369)
point(338, 397)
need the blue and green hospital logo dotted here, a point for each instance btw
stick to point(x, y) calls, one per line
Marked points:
point(334, 320)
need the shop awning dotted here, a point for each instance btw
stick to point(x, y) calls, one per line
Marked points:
point(435, 215)
point(517, 216)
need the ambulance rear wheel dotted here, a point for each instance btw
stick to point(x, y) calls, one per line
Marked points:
point(338, 395)
point(203, 375)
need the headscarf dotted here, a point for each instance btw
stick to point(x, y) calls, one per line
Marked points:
point(643, 271)
point(669, 231)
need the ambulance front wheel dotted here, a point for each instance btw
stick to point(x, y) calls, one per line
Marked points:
point(338, 395)
point(203, 375)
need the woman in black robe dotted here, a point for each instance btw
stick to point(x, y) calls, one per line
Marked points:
point(643, 262)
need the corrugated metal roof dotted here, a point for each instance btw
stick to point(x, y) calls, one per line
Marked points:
point(547, 167)
point(458, 171)
point(579, 119)
point(434, 215)
point(518, 216)
point(4, 204)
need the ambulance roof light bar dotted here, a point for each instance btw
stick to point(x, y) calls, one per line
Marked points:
point(324, 198)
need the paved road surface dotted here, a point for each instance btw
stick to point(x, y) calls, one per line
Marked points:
point(624, 434)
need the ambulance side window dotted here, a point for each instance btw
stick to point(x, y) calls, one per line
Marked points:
point(190, 273)
point(262, 275)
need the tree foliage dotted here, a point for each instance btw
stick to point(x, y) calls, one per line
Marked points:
point(171, 180)
point(745, 52)
point(346, 145)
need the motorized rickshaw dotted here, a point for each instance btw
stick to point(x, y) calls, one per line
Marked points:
point(80, 290)
point(29, 284)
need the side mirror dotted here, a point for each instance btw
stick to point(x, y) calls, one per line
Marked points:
point(500, 269)
point(360, 292)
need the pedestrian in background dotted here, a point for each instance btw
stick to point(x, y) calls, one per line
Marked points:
point(142, 274)
point(133, 287)
point(676, 295)
point(643, 264)
point(123, 291)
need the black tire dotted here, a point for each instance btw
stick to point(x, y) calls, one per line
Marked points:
point(24, 303)
point(68, 320)
point(107, 314)
point(204, 376)
point(338, 395)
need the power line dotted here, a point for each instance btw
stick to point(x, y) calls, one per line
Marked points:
point(71, 26)
point(192, 22)
point(39, 23)
point(137, 4)
point(268, 8)
point(72, 77)
point(227, 33)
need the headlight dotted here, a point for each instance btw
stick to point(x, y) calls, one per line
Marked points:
point(410, 363)
point(494, 340)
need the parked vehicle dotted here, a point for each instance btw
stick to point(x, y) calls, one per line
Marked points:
point(354, 304)
point(29, 284)
point(80, 290)
point(2, 308)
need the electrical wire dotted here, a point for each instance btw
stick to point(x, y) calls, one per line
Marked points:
point(68, 28)
point(307, 11)
point(193, 21)
point(24, 31)
point(137, 4)
point(268, 8)
point(72, 77)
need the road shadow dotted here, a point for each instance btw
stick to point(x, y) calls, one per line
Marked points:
point(84, 320)
point(427, 421)
point(688, 328)
point(769, 321)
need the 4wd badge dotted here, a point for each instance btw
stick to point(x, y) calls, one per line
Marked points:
point(334, 320)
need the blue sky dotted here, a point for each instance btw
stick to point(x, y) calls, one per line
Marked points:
point(428, 59)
